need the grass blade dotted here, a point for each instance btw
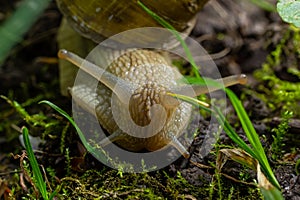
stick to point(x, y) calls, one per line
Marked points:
point(85, 143)
point(220, 117)
point(165, 24)
point(41, 185)
point(264, 5)
point(257, 151)
point(269, 191)
point(252, 137)
point(13, 29)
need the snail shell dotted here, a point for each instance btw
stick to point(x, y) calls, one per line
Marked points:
point(100, 19)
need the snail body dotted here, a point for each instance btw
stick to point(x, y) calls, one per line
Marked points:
point(151, 75)
point(146, 78)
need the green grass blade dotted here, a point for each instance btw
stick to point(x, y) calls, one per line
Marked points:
point(87, 145)
point(232, 134)
point(272, 194)
point(192, 101)
point(13, 29)
point(37, 175)
point(264, 5)
point(221, 119)
point(268, 193)
point(257, 151)
point(165, 24)
point(55, 192)
point(252, 137)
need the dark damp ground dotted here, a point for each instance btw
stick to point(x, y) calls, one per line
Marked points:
point(241, 38)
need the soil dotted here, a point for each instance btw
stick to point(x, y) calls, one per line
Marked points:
point(239, 36)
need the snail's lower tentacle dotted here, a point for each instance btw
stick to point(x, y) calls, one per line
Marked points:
point(177, 144)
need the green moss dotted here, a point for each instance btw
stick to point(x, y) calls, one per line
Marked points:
point(280, 131)
point(37, 121)
point(107, 184)
point(278, 93)
point(101, 182)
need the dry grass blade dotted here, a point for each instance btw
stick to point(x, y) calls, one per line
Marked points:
point(268, 190)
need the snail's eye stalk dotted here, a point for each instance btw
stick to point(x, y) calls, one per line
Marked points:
point(83, 64)
point(108, 79)
point(211, 86)
point(64, 54)
point(242, 79)
point(233, 80)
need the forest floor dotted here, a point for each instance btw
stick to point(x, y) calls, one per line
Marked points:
point(240, 37)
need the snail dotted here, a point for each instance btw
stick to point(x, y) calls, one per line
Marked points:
point(153, 85)
point(138, 82)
